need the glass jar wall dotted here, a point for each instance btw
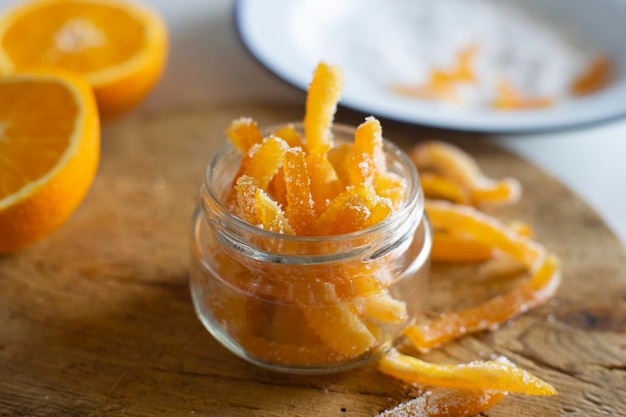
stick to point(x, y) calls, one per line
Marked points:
point(308, 304)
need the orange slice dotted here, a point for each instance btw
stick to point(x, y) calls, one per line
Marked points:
point(49, 152)
point(499, 375)
point(118, 46)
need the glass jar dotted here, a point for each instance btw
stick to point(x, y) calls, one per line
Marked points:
point(308, 304)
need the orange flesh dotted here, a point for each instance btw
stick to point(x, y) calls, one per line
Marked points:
point(76, 36)
point(21, 131)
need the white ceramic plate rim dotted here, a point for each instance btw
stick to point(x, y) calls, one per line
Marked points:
point(262, 27)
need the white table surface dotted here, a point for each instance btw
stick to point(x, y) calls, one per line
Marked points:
point(208, 65)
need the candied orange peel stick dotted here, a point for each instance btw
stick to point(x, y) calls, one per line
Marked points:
point(459, 168)
point(483, 228)
point(543, 283)
point(489, 375)
point(244, 133)
point(490, 314)
point(286, 184)
point(305, 184)
point(321, 105)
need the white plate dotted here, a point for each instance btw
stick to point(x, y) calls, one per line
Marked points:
point(276, 33)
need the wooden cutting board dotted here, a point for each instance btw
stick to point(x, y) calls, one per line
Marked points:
point(96, 320)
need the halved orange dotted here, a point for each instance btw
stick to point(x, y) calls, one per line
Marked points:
point(49, 152)
point(119, 47)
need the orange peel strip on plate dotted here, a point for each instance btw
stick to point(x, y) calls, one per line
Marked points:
point(595, 78)
point(445, 402)
point(499, 375)
point(508, 97)
point(459, 167)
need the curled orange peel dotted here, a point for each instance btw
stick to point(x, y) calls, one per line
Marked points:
point(499, 375)
point(458, 167)
point(483, 228)
point(490, 314)
point(543, 283)
point(448, 247)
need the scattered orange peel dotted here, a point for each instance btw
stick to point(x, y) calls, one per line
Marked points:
point(499, 375)
point(444, 402)
point(459, 178)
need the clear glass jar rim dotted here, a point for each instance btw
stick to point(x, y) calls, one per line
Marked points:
point(414, 201)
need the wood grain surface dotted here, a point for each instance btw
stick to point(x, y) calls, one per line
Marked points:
point(96, 320)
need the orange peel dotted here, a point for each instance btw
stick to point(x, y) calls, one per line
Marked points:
point(445, 402)
point(458, 167)
point(499, 375)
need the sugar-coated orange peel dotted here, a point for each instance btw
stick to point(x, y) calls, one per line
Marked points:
point(455, 218)
point(444, 402)
point(449, 247)
point(508, 97)
point(544, 280)
point(305, 184)
point(490, 314)
point(499, 375)
point(302, 183)
point(244, 133)
point(451, 173)
point(441, 84)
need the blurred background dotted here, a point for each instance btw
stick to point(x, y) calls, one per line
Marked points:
point(208, 64)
